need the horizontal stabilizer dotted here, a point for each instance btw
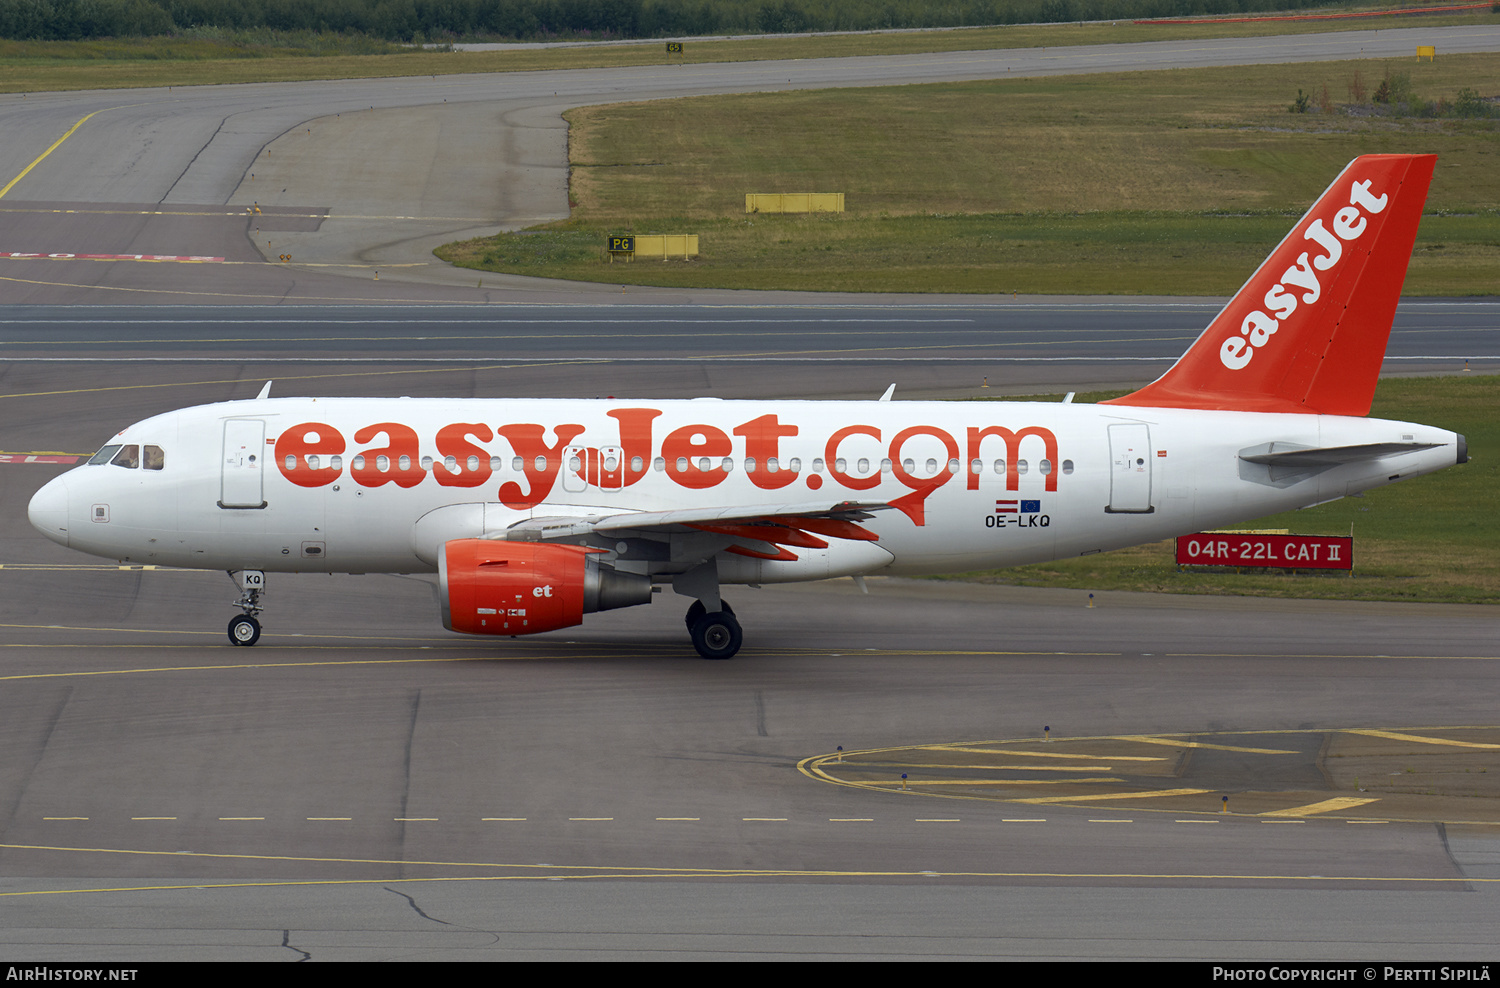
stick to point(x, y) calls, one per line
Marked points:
point(1287, 455)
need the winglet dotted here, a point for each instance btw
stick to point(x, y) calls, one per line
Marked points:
point(1308, 331)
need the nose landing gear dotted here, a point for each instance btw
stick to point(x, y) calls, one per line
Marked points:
point(244, 629)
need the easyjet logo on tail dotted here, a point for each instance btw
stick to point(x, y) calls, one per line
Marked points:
point(1299, 284)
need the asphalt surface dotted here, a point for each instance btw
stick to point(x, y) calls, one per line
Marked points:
point(362, 749)
point(362, 785)
point(1082, 332)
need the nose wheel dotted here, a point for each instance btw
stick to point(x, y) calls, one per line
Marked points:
point(244, 630)
point(716, 634)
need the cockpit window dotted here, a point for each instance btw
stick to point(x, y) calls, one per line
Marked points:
point(155, 459)
point(128, 457)
point(104, 455)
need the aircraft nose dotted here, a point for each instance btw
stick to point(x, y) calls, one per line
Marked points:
point(48, 510)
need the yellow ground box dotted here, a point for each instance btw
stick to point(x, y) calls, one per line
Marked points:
point(794, 202)
point(669, 245)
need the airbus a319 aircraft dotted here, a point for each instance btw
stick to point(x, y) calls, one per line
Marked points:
point(533, 513)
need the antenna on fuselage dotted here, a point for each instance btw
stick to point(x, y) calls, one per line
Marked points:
point(888, 392)
point(265, 392)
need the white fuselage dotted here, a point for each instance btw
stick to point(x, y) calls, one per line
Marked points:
point(377, 485)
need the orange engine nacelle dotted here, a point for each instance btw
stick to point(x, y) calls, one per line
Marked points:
point(521, 588)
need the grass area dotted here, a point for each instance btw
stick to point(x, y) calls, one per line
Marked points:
point(1112, 253)
point(1174, 182)
point(1432, 539)
point(218, 58)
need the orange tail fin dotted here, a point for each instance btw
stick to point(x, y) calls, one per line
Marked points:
point(1307, 332)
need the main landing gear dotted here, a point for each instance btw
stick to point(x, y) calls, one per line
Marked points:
point(244, 629)
point(710, 621)
point(716, 634)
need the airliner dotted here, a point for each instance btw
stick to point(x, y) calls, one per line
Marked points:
point(533, 513)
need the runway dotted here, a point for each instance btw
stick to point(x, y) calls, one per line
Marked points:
point(363, 785)
point(954, 350)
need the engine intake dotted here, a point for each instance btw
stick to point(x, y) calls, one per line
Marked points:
point(521, 588)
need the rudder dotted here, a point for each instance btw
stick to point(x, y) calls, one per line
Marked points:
point(1308, 331)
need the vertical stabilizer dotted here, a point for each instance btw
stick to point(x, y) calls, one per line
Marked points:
point(1307, 332)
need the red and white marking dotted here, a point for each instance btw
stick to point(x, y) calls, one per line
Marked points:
point(22, 255)
point(38, 458)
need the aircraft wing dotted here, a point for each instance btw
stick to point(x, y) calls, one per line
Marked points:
point(761, 530)
point(766, 522)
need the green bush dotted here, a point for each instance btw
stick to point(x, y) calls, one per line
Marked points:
point(1469, 103)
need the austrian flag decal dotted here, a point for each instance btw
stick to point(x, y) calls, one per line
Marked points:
point(1018, 513)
